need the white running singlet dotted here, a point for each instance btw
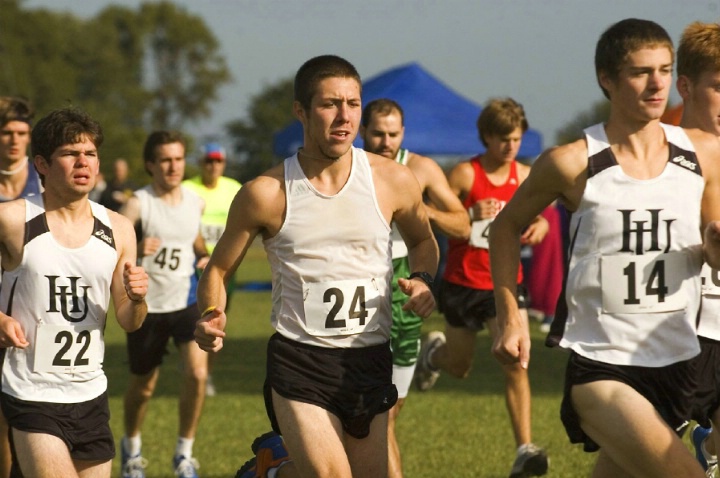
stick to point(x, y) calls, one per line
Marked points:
point(633, 287)
point(709, 324)
point(330, 261)
point(60, 296)
point(171, 270)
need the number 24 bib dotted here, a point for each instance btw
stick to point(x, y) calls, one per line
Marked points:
point(344, 307)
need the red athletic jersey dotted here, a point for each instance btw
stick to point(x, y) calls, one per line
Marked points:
point(467, 265)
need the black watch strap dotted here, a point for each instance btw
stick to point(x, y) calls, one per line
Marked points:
point(423, 276)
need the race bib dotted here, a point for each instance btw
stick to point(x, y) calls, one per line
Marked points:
point(167, 259)
point(67, 349)
point(633, 284)
point(710, 280)
point(480, 233)
point(211, 233)
point(341, 307)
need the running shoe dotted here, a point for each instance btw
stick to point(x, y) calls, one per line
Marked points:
point(546, 323)
point(269, 452)
point(248, 470)
point(185, 467)
point(131, 466)
point(425, 374)
point(531, 460)
point(698, 435)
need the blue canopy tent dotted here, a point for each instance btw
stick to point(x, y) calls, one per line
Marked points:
point(438, 121)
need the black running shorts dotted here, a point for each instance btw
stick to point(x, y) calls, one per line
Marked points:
point(353, 384)
point(470, 308)
point(84, 426)
point(669, 389)
point(147, 345)
point(707, 393)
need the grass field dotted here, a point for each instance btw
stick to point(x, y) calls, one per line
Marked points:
point(459, 429)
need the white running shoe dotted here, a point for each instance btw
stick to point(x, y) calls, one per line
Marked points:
point(425, 374)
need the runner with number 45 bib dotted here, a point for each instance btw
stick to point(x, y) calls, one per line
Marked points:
point(171, 247)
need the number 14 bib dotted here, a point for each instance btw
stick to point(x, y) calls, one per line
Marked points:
point(643, 283)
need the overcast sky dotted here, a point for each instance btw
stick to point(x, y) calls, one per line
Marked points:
point(540, 52)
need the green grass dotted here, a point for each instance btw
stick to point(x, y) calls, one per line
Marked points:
point(459, 429)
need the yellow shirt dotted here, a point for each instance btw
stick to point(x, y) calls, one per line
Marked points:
point(217, 205)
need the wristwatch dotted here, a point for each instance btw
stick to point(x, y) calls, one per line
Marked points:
point(423, 276)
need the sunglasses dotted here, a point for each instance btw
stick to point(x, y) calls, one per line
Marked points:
point(213, 160)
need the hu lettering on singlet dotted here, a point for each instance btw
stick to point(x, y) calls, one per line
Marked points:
point(65, 291)
point(642, 229)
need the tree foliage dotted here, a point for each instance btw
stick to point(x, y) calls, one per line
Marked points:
point(269, 111)
point(135, 71)
point(186, 67)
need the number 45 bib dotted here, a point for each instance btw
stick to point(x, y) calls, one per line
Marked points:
point(67, 349)
point(344, 307)
point(644, 283)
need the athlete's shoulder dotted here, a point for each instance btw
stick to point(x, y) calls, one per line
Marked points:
point(266, 186)
point(388, 171)
point(707, 150)
point(562, 170)
point(118, 222)
point(418, 162)
point(572, 155)
point(426, 170)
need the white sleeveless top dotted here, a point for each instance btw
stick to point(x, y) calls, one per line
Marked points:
point(399, 249)
point(709, 323)
point(60, 296)
point(171, 270)
point(330, 262)
point(633, 287)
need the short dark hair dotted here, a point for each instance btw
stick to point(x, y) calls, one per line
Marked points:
point(317, 69)
point(623, 38)
point(381, 106)
point(61, 127)
point(699, 50)
point(500, 117)
point(158, 138)
point(13, 108)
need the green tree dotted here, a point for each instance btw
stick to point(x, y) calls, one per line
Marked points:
point(133, 70)
point(599, 112)
point(269, 112)
point(186, 68)
point(41, 67)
